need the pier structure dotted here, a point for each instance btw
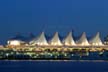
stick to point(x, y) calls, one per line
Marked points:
point(42, 47)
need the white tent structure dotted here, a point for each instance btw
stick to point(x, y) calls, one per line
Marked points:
point(96, 41)
point(41, 40)
point(69, 41)
point(83, 40)
point(55, 41)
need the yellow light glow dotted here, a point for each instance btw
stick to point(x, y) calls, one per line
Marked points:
point(14, 42)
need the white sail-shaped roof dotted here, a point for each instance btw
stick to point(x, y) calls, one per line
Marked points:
point(83, 40)
point(96, 41)
point(55, 41)
point(41, 40)
point(69, 41)
point(32, 42)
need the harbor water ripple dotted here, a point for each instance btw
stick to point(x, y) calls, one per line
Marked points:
point(53, 66)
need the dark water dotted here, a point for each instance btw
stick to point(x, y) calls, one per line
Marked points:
point(53, 66)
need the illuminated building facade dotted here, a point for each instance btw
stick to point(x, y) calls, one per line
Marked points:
point(106, 40)
point(18, 40)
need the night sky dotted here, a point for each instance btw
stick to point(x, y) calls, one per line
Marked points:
point(25, 16)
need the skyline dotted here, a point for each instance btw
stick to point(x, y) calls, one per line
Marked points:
point(26, 16)
point(56, 38)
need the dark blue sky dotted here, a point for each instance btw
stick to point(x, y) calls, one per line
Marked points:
point(26, 16)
